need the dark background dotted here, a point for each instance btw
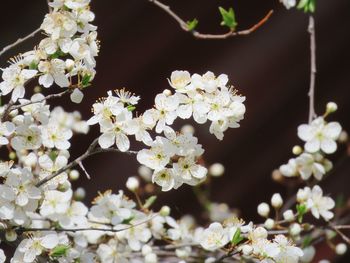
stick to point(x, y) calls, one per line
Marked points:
point(141, 46)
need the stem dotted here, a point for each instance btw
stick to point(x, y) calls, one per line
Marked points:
point(199, 35)
point(311, 30)
point(19, 41)
point(89, 152)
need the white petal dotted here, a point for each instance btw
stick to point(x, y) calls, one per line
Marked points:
point(328, 146)
point(312, 146)
point(77, 96)
point(106, 140)
point(122, 142)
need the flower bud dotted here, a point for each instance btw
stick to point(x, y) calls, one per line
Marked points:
point(167, 92)
point(188, 128)
point(37, 89)
point(341, 249)
point(309, 253)
point(74, 175)
point(11, 235)
point(132, 184)
point(297, 150)
point(295, 229)
point(331, 107)
point(343, 137)
point(269, 223)
point(288, 215)
point(165, 211)
point(145, 173)
point(263, 209)
point(79, 194)
point(276, 201)
point(260, 232)
point(216, 169)
point(12, 155)
point(303, 195)
point(277, 175)
point(247, 250)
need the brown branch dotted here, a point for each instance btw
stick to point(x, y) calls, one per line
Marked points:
point(51, 96)
point(19, 41)
point(89, 152)
point(311, 30)
point(199, 35)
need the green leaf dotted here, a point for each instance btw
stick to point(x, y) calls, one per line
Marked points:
point(33, 65)
point(308, 6)
point(301, 212)
point(306, 241)
point(228, 18)
point(191, 25)
point(237, 237)
point(150, 201)
point(127, 221)
point(131, 107)
point(57, 54)
point(59, 251)
point(86, 80)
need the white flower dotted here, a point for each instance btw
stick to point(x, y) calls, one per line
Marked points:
point(116, 133)
point(113, 252)
point(287, 252)
point(28, 136)
point(55, 203)
point(53, 70)
point(158, 156)
point(75, 216)
point(33, 247)
point(59, 24)
point(320, 135)
point(164, 178)
point(214, 237)
point(6, 129)
point(54, 136)
point(105, 109)
point(164, 112)
point(14, 80)
point(187, 169)
point(127, 97)
point(179, 80)
point(319, 204)
point(307, 166)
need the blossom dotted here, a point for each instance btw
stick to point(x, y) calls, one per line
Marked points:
point(188, 170)
point(320, 135)
point(59, 24)
point(288, 253)
point(164, 178)
point(308, 166)
point(14, 80)
point(53, 71)
point(112, 252)
point(319, 204)
point(214, 237)
point(27, 136)
point(54, 136)
point(6, 129)
point(179, 80)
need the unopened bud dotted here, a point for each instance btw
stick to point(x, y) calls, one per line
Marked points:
point(341, 249)
point(167, 92)
point(277, 175)
point(263, 209)
point(132, 184)
point(74, 175)
point(297, 150)
point(343, 137)
point(188, 128)
point(295, 229)
point(79, 194)
point(276, 201)
point(331, 107)
point(37, 89)
point(269, 223)
point(247, 250)
point(288, 215)
point(12, 155)
point(11, 235)
point(164, 211)
point(216, 169)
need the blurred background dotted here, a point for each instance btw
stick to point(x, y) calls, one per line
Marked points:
point(140, 47)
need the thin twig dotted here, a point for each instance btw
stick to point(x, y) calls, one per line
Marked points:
point(199, 35)
point(92, 150)
point(311, 30)
point(51, 96)
point(342, 235)
point(19, 41)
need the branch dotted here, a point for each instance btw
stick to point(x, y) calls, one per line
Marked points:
point(199, 35)
point(19, 41)
point(311, 30)
point(87, 228)
point(51, 96)
point(89, 152)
